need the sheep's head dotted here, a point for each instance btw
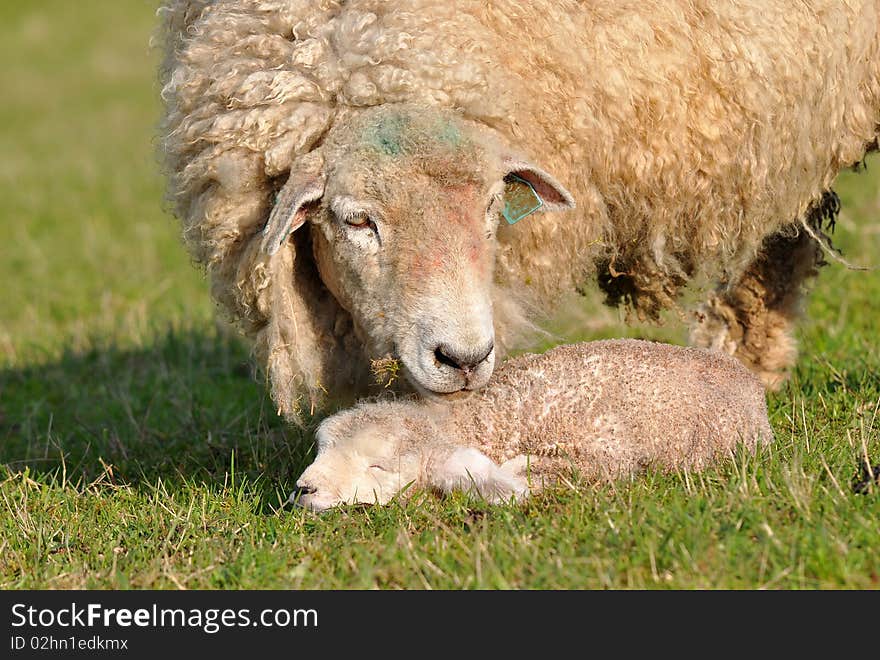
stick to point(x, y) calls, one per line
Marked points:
point(370, 453)
point(404, 203)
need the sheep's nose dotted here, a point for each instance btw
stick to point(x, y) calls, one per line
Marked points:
point(462, 359)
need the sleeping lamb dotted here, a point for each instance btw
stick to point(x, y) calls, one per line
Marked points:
point(600, 410)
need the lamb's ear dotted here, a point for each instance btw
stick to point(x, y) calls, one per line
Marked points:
point(304, 186)
point(518, 465)
point(470, 470)
point(552, 194)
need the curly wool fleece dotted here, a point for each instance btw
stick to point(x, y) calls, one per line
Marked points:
point(688, 131)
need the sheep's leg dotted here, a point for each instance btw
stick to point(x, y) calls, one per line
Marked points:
point(753, 318)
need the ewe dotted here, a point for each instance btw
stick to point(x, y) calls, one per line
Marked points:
point(602, 410)
point(342, 169)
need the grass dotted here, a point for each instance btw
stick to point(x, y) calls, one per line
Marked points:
point(138, 451)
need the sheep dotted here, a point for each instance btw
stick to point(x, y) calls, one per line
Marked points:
point(344, 169)
point(599, 410)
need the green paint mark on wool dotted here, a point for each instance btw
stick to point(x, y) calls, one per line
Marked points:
point(395, 134)
point(388, 135)
point(448, 132)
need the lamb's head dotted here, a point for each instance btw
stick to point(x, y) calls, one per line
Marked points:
point(360, 459)
point(370, 453)
point(404, 203)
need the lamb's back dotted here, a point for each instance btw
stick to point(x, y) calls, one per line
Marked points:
point(609, 408)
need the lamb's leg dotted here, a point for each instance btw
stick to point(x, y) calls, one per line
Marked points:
point(753, 318)
point(470, 470)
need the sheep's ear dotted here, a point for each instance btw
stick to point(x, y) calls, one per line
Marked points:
point(304, 186)
point(528, 186)
point(472, 471)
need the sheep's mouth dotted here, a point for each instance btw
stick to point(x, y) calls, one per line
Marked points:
point(461, 394)
point(433, 395)
point(430, 394)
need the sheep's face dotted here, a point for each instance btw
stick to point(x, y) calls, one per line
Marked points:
point(362, 465)
point(404, 237)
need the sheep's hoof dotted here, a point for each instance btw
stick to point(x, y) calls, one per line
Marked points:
point(870, 479)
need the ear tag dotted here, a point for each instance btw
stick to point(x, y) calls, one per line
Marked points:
point(520, 199)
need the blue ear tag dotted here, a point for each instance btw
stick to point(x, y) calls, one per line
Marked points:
point(520, 199)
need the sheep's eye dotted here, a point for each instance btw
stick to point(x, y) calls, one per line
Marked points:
point(379, 467)
point(360, 221)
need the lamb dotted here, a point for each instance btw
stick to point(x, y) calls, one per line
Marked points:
point(344, 170)
point(602, 410)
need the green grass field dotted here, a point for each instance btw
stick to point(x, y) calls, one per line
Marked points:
point(138, 451)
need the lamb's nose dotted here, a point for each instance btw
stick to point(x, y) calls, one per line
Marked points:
point(302, 490)
point(464, 360)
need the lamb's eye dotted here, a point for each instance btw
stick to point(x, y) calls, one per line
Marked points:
point(378, 467)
